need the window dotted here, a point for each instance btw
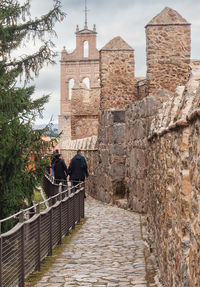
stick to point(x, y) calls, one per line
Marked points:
point(85, 49)
point(71, 84)
point(86, 81)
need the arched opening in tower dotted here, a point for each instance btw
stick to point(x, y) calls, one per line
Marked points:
point(71, 84)
point(85, 49)
point(86, 81)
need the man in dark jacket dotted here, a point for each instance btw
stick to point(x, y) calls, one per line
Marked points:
point(60, 169)
point(78, 169)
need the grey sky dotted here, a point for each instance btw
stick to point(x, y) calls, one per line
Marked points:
point(125, 18)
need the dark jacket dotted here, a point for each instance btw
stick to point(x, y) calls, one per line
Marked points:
point(78, 168)
point(60, 169)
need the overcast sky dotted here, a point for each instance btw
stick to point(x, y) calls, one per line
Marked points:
point(125, 18)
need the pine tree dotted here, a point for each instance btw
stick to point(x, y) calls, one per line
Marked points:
point(22, 165)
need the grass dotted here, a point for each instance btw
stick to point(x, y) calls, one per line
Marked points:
point(46, 264)
point(37, 197)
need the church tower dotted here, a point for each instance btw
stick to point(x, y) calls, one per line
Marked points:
point(80, 89)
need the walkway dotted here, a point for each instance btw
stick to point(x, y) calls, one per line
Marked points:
point(107, 251)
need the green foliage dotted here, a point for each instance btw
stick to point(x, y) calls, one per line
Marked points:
point(22, 164)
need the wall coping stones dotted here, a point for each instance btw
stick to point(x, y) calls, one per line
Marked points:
point(84, 144)
point(180, 109)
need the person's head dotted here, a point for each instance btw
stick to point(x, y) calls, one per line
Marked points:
point(79, 151)
point(57, 155)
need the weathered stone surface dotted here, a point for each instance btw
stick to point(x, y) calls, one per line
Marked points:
point(168, 52)
point(118, 84)
point(118, 116)
point(173, 194)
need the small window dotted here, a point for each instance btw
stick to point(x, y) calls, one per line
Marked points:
point(71, 84)
point(86, 81)
point(85, 49)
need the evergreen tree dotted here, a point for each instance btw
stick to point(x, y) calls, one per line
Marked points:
point(21, 164)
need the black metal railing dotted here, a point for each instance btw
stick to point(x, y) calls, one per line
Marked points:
point(33, 237)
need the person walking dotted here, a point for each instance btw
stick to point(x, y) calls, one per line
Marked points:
point(60, 169)
point(53, 161)
point(78, 169)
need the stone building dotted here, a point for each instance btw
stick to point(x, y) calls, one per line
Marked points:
point(79, 102)
point(147, 155)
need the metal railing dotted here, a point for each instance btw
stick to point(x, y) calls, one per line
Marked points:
point(34, 236)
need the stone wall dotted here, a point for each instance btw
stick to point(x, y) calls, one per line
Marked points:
point(85, 112)
point(84, 126)
point(174, 186)
point(117, 75)
point(168, 49)
point(138, 120)
point(111, 156)
point(142, 88)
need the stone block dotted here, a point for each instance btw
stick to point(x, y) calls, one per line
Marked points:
point(138, 128)
point(186, 187)
point(117, 172)
point(151, 106)
point(118, 116)
point(118, 150)
point(119, 134)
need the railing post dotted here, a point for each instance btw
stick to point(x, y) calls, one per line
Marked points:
point(73, 208)
point(50, 228)
point(79, 206)
point(21, 275)
point(60, 218)
point(83, 199)
point(67, 223)
point(38, 237)
point(60, 187)
point(1, 258)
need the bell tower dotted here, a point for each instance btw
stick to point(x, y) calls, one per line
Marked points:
point(80, 89)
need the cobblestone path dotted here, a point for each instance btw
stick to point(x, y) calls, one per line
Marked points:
point(107, 251)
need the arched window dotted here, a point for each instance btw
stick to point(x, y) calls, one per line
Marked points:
point(71, 84)
point(85, 49)
point(86, 81)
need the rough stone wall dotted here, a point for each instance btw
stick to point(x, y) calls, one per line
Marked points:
point(168, 51)
point(111, 156)
point(138, 119)
point(84, 126)
point(142, 88)
point(117, 75)
point(85, 112)
point(64, 126)
point(174, 186)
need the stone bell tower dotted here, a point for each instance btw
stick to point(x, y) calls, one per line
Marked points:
point(80, 88)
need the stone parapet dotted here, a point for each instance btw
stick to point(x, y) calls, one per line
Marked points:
point(138, 121)
point(111, 156)
point(181, 108)
point(174, 185)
